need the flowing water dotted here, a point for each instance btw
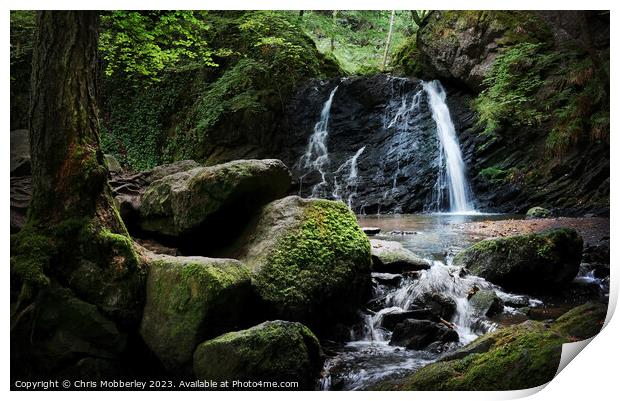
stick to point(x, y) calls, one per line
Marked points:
point(316, 157)
point(368, 358)
point(452, 175)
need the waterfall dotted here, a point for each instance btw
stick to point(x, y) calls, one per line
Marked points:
point(453, 168)
point(316, 157)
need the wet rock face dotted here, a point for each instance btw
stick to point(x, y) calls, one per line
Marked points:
point(390, 119)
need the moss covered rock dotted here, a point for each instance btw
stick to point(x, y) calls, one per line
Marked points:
point(538, 212)
point(272, 351)
point(513, 358)
point(182, 202)
point(391, 257)
point(310, 259)
point(190, 299)
point(582, 322)
point(539, 262)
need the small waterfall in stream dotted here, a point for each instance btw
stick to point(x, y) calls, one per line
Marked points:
point(351, 179)
point(316, 157)
point(446, 280)
point(452, 175)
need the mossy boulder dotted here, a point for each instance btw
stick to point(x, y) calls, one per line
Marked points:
point(538, 212)
point(128, 187)
point(392, 257)
point(582, 322)
point(273, 351)
point(517, 357)
point(190, 299)
point(182, 202)
point(486, 303)
point(310, 259)
point(539, 262)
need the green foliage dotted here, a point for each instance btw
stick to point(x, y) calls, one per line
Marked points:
point(134, 119)
point(358, 36)
point(22, 40)
point(22, 35)
point(260, 55)
point(532, 84)
point(145, 43)
point(515, 78)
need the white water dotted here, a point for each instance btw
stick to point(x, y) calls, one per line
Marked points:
point(453, 175)
point(439, 279)
point(316, 157)
point(351, 179)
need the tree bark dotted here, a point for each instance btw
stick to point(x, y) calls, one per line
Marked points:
point(73, 234)
point(68, 171)
point(388, 41)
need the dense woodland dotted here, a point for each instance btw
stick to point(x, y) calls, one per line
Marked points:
point(188, 190)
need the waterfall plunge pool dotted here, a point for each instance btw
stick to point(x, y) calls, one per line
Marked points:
point(367, 359)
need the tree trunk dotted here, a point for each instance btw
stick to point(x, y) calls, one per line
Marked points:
point(388, 41)
point(73, 235)
point(68, 172)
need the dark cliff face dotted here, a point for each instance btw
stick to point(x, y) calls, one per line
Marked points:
point(513, 167)
point(383, 120)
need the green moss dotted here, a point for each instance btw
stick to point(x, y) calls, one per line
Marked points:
point(274, 351)
point(493, 174)
point(521, 357)
point(582, 322)
point(190, 299)
point(31, 252)
point(325, 252)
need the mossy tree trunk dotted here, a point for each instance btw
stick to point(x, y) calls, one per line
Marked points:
point(74, 236)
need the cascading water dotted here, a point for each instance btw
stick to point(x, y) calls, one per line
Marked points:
point(450, 158)
point(316, 157)
point(351, 179)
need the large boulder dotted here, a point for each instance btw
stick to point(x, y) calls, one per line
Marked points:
point(419, 334)
point(274, 351)
point(128, 188)
point(310, 259)
point(517, 357)
point(180, 203)
point(539, 262)
point(190, 299)
point(392, 257)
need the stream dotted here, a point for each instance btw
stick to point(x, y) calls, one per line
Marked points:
point(367, 358)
